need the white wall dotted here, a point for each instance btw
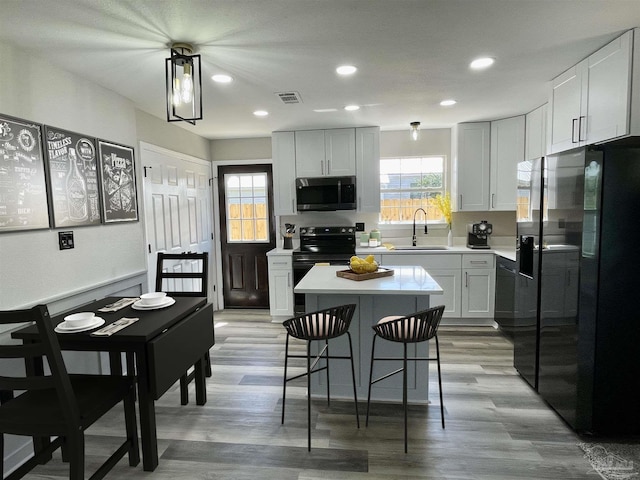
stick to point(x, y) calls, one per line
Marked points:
point(32, 268)
point(157, 131)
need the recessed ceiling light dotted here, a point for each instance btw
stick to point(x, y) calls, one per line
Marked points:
point(346, 70)
point(261, 113)
point(352, 108)
point(325, 110)
point(447, 103)
point(480, 63)
point(222, 78)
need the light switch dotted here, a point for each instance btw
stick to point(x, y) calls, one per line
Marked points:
point(65, 239)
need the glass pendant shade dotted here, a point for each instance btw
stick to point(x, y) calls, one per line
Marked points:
point(184, 85)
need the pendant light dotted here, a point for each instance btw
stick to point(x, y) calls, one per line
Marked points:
point(184, 84)
point(415, 130)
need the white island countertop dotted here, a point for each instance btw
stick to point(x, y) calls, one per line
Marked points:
point(406, 280)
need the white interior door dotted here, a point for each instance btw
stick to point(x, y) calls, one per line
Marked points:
point(177, 207)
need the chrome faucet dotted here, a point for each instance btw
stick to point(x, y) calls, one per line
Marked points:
point(414, 239)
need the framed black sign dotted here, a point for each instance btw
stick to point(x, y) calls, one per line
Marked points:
point(118, 182)
point(23, 188)
point(73, 177)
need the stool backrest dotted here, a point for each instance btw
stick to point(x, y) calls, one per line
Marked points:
point(416, 327)
point(322, 324)
point(183, 274)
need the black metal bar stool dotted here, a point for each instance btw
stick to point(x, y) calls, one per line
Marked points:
point(321, 325)
point(414, 328)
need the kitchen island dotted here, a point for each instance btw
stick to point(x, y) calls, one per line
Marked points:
point(408, 290)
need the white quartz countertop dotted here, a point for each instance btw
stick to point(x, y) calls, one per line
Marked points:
point(406, 280)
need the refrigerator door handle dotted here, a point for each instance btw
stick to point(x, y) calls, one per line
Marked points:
point(573, 130)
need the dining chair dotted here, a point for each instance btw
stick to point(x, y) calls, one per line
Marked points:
point(184, 275)
point(414, 328)
point(321, 325)
point(44, 403)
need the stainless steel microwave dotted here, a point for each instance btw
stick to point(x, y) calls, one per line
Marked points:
point(325, 193)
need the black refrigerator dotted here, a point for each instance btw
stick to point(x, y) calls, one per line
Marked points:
point(577, 330)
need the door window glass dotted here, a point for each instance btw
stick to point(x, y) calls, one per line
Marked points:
point(247, 207)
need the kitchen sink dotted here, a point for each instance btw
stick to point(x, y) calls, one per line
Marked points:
point(423, 247)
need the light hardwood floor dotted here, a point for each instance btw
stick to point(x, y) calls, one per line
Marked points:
point(496, 426)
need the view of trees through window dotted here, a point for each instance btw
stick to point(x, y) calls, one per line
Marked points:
point(408, 183)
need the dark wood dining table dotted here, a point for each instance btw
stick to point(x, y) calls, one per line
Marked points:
point(163, 343)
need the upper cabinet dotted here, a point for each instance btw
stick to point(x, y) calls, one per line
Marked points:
point(536, 133)
point(590, 102)
point(507, 150)
point(485, 158)
point(471, 157)
point(283, 155)
point(325, 153)
point(368, 169)
point(316, 153)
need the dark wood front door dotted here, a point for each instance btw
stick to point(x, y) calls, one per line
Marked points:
point(247, 233)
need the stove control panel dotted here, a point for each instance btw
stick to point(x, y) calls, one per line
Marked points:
point(327, 230)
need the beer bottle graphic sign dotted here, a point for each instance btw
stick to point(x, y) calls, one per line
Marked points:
point(73, 176)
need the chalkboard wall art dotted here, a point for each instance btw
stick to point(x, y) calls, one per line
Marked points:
point(118, 182)
point(23, 189)
point(73, 175)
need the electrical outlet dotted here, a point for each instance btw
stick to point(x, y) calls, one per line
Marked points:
point(65, 240)
point(359, 226)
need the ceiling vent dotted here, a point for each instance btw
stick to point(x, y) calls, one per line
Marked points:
point(290, 97)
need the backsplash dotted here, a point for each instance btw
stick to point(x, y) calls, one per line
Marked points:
point(504, 226)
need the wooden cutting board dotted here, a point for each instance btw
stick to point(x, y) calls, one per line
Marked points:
point(351, 275)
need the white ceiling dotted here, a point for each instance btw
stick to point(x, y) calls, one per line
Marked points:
point(410, 54)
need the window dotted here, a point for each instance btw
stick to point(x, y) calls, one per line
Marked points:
point(247, 207)
point(408, 183)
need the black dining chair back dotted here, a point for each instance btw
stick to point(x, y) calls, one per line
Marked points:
point(49, 402)
point(185, 275)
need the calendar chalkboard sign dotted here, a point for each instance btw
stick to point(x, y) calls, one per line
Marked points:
point(73, 174)
point(23, 190)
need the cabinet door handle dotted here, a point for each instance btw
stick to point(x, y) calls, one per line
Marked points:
point(280, 263)
point(322, 167)
point(293, 205)
point(466, 279)
point(460, 206)
point(289, 279)
point(573, 130)
point(580, 128)
point(478, 262)
point(328, 167)
point(493, 198)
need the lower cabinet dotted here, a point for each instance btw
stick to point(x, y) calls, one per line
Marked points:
point(468, 281)
point(479, 283)
point(280, 285)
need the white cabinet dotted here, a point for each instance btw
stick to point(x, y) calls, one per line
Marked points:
point(507, 150)
point(283, 157)
point(368, 169)
point(471, 159)
point(485, 159)
point(478, 288)
point(536, 133)
point(445, 269)
point(590, 102)
point(280, 285)
point(320, 153)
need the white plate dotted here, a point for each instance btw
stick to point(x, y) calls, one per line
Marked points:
point(61, 328)
point(140, 306)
